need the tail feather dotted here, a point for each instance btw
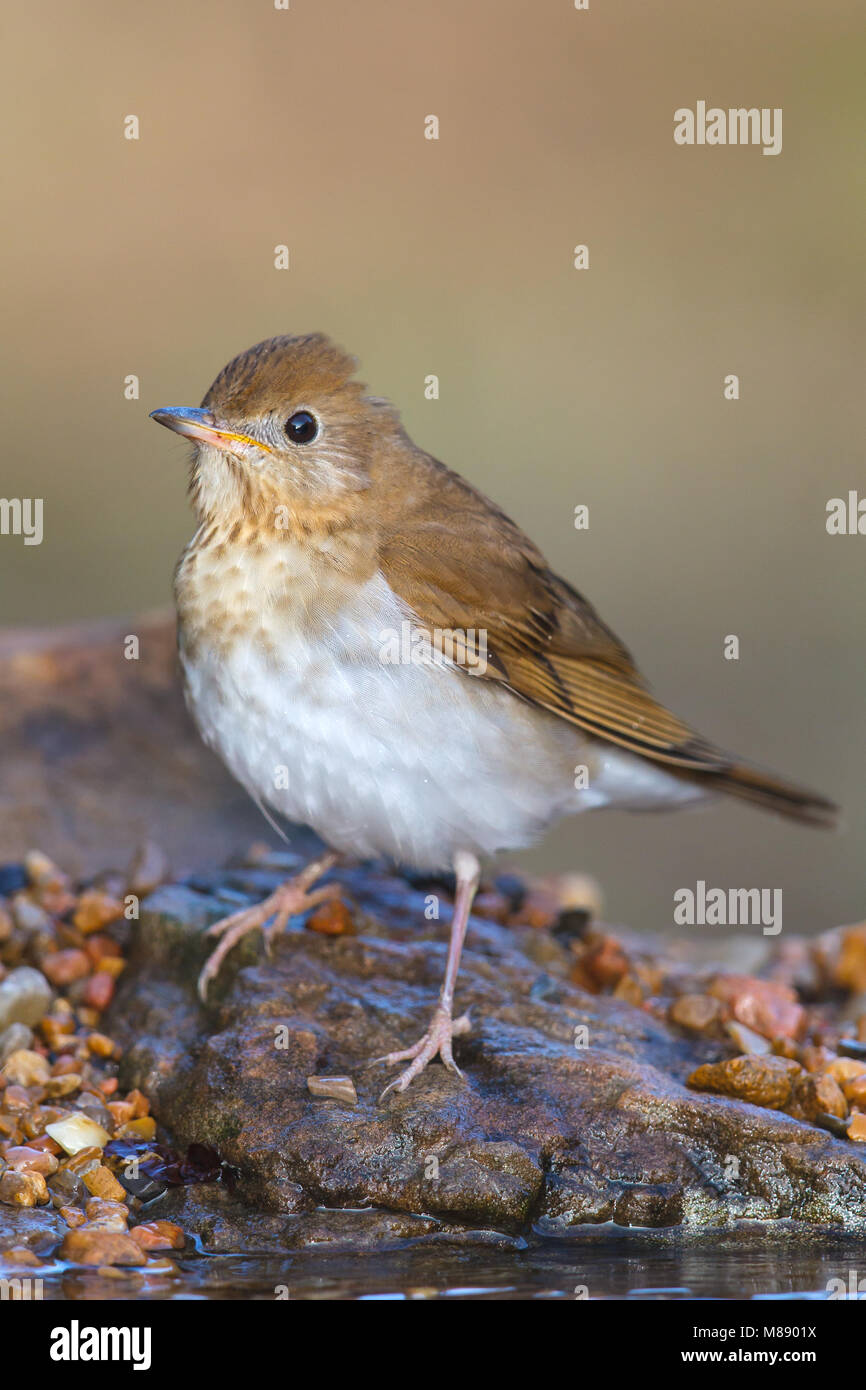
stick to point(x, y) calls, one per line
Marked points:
point(773, 794)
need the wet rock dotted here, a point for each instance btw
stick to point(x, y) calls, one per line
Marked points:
point(19, 1257)
point(27, 1159)
point(25, 995)
point(38, 1229)
point(66, 1188)
point(576, 1106)
point(23, 1189)
point(159, 1235)
point(107, 1214)
point(90, 1245)
point(101, 1182)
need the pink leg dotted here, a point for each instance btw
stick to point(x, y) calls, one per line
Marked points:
point(443, 1027)
point(290, 898)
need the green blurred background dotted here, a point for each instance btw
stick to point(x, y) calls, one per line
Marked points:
point(454, 257)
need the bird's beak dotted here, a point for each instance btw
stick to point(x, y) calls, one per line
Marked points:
point(201, 426)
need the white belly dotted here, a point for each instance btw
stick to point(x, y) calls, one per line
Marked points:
point(405, 761)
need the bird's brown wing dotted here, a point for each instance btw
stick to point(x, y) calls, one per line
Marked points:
point(462, 566)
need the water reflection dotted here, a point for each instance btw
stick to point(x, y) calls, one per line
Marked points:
point(601, 1262)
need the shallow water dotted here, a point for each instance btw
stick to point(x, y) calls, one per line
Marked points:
point(600, 1262)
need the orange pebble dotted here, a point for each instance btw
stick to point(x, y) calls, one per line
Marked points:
point(140, 1104)
point(99, 990)
point(159, 1235)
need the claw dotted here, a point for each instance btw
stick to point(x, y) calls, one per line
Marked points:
point(289, 899)
point(437, 1040)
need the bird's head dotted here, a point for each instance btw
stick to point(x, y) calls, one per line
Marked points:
point(284, 424)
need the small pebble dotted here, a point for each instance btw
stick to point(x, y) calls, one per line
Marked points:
point(16, 1038)
point(98, 1247)
point(26, 1159)
point(857, 1128)
point(108, 1215)
point(855, 1091)
point(850, 968)
point(43, 872)
point(23, 1189)
point(20, 1256)
point(846, 1069)
point(697, 1012)
point(29, 917)
point(149, 868)
point(78, 1132)
point(62, 1085)
point(73, 1216)
point(139, 1102)
point(143, 1128)
point(746, 1039)
point(100, 1045)
point(26, 1068)
point(767, 1007)
point(65, 967)
point(159, 1235)
point(819, 1095)
point(83, 1160)
point(95, 910)
point(102, 1183)
point(25, 995)
point(99, 990)
point(332, 919)
point(765, 1081)
point(335, 1087)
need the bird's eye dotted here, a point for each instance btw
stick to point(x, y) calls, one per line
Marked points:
point(302, 427)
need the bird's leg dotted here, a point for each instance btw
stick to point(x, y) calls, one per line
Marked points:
point(443, 1027)
point(286, 901)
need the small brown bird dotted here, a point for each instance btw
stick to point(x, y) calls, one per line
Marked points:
point(377, 651)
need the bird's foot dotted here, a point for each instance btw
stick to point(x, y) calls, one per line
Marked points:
point(289, 899)
point(437, 1039)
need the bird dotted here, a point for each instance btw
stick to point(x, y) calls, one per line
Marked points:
point(377, 651)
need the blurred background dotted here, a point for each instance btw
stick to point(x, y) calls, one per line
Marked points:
point(558, 387)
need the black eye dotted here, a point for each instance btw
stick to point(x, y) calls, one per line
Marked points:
point(302, 427)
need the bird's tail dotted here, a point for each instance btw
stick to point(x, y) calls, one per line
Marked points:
point(786, 799)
